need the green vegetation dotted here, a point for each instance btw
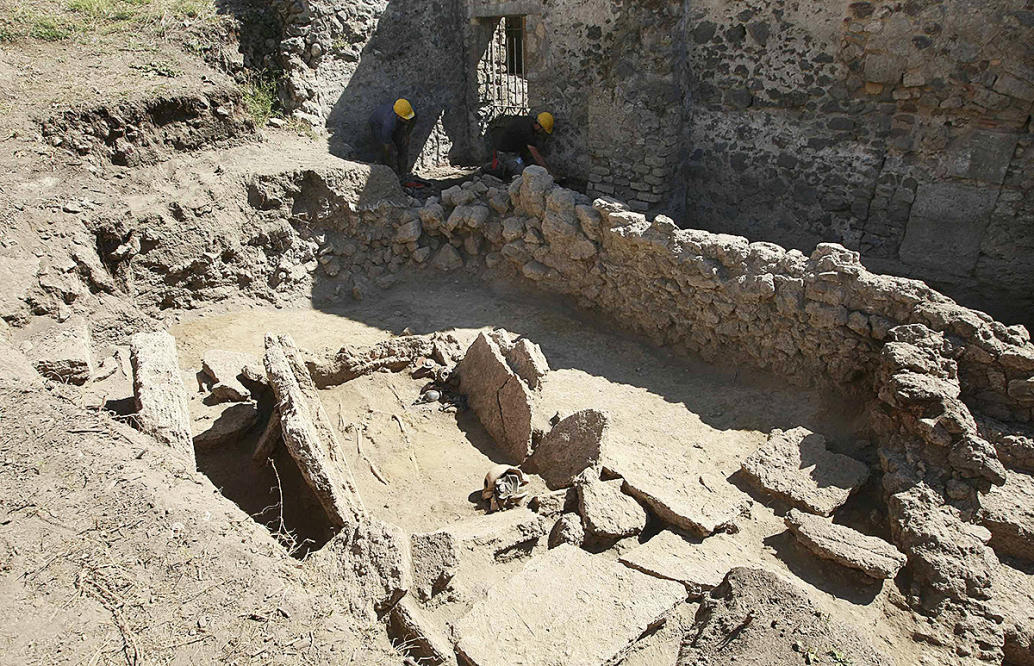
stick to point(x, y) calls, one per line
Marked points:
point(50, 29)
point(260, 98)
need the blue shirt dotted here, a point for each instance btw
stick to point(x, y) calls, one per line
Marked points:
point(383, 122)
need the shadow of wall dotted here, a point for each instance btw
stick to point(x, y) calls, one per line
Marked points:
point(416, 52)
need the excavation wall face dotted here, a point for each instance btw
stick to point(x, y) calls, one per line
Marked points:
point(341, 60)
point(898, 129)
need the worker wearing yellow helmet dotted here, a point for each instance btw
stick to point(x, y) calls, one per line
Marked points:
point(516, 142)
point(392, 124)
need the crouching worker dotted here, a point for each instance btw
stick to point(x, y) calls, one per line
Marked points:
point(516, 142)
point(391, 125)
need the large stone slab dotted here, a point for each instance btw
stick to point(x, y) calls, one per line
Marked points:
point(607, 512)
point(796, 467)
point(62, 352)
point(222, 424)
point(872, 556)
point(680, 493)
point(498, 396)
point(162, 407)
point(438, 556)
point(309, 435)
point(758, 618)
point(1008, 511)
point(572, 446)
point(565, 607)
point(700, 567)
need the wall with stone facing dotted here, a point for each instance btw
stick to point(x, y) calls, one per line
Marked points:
point(341, 60)
point(900, 129)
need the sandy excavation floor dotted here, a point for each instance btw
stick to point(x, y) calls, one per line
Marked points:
point(671, 410)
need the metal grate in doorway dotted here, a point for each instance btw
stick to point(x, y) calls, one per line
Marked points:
point(503, 86)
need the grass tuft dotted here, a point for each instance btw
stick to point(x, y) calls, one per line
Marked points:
point(260, 98)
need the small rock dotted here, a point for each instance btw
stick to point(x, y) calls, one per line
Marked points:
point(447, 259)
point(567, 530)
point(609, 513)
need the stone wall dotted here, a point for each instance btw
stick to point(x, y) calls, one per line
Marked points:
point(923, 364)
point(343, 59)
point(900, 129)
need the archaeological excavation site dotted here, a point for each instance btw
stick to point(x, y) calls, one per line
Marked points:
point(517, 332)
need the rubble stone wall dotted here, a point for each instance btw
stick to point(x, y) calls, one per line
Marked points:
point(341, 60)
point(900, 129)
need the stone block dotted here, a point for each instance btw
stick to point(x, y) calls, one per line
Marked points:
point(62, 352)
point(162, 408)
point(222, 424)
point(884, 68)
point(572, 446)
point(498, 396)
point(700, 567)
point(608, 513)
point(946, 226)
point(447, 259)
point(796, 467)
point(872, 556)
point(528, 361)
point(565, 607)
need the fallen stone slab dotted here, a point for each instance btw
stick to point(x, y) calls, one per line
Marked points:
point(222, 424)
point(796, 467)
point(226, 368)
point(271, 436)
point(425, 639)
point(162, 407)
point(565, 607)
point(498, 396)
point(607, 512)
point(62, 352)
point(574, 445)
point(872, 556)
point(438, 555)
point(758, 618)
point(393, 355)
point(370, 564)
point(700, 567)
point(1008, 512)
point(308, 433)
point(677, 492)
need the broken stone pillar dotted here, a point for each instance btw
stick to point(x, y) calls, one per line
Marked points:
point(162, 407)
point(796, 467)
point(309, 435)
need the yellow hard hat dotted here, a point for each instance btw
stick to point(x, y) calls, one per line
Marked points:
point(404, 109)
point(546, 120)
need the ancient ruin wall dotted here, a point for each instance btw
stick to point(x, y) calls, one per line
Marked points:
point(900, 129)
point(341, 60)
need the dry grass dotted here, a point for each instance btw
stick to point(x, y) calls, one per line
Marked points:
point(60, 20)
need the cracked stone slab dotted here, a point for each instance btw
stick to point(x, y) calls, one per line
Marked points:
point(700, 567)
point(872, 556)
point(498, 396)
point(565, 607)
point(1008, 512)
point(680, 493)
point(796, 467)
